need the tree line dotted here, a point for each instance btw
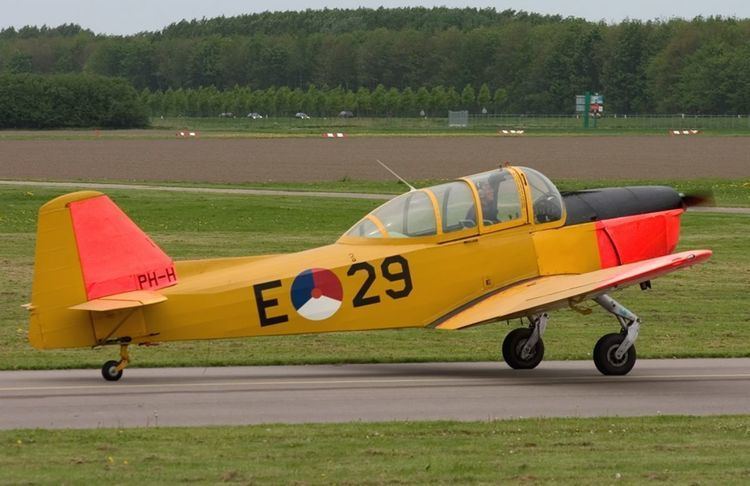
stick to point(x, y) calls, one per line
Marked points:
point(540, 62)
point(69, 100)
point(313, 101)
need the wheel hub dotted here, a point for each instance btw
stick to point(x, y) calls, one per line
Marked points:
point(612, 356)
point(519, 350)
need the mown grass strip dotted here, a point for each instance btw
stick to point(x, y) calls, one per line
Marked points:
point(488, 125)
point(287, 127)
point(681, 450)
point(693, 313)
point(727, 192)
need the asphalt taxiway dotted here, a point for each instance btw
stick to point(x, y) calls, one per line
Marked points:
point(373, 392)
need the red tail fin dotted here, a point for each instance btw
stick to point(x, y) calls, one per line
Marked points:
point(115, 255)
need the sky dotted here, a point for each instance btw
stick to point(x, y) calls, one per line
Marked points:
point(130, 16)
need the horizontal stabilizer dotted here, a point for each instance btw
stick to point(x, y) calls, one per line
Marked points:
point(556, 291)
point(125, 300)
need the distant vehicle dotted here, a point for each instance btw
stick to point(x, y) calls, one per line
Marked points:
point(346, 114)
point(301, 115)
point(255, 116)
point(226, 114)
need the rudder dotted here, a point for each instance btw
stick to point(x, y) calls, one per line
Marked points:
point(87, 248)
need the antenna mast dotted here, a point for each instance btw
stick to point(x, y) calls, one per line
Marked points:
point(411, 188)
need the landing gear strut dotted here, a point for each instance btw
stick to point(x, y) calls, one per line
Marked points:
point(112, 370)
point(523, 348)
point(614, 354)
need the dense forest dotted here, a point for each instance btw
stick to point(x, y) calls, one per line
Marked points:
point(520, 62)
point(69, 100)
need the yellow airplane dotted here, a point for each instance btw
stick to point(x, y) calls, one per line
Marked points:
point(497, 245)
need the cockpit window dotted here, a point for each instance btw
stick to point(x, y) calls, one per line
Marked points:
point(498, 195)
point(456, 205)
point(415, 214)
point(407, 216)
point(545, 197)
point(365, 229)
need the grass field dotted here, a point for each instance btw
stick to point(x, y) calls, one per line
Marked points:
point(487, 124)
point(672, 450)
point(533, 125)
point(694, 313)
point(697, 312)
point(730, 193)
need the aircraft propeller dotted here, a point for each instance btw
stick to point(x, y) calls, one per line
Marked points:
point(699, 197)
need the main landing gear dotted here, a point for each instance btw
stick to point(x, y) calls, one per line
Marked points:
point(614, 354)
point(112, 370)
point(523, 348)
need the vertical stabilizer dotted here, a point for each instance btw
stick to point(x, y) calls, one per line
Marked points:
point(87, 248)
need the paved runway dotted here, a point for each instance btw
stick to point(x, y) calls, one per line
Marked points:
point(378, 392)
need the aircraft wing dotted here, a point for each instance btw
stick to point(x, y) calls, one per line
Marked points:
point(556, 291)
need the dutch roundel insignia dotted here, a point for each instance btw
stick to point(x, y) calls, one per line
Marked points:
point(317, 294)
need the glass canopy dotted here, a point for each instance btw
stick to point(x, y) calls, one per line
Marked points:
point(488, 200)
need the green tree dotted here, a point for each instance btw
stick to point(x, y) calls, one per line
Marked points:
point(20, 62)
point(499, 100)
point(440, 103)
point(204, 66)
point(192, 105)
point(364, 101)
point(408, 103)
point(137, 63)
point(714, 79)
point(334, 100)
point(296, 100)
point(267, 101)
point(539, 61)
point(624, 73)
point(468, 98)
point(168, 103)
point(377, 100)
point(64, 62)
point(156, 103)
point(392, 102)
point(423, 100)
point(181, 103)
point(314, 101)
point(283, 101)
point(484, 97)
point(60, 101)
point(210, 102)
point(453, 98)
point(350, 101)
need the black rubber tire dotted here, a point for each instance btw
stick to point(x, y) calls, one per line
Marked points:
point(109, 371)
point(512, 346)
point(604, 355)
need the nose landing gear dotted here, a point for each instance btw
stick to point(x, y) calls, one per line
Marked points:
point(614, 354)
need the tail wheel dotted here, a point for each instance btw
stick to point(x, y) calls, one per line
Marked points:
point(110, 372)
point(605, 359)
point(513, 350)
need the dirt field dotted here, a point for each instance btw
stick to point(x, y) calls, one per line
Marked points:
point(245, 160)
